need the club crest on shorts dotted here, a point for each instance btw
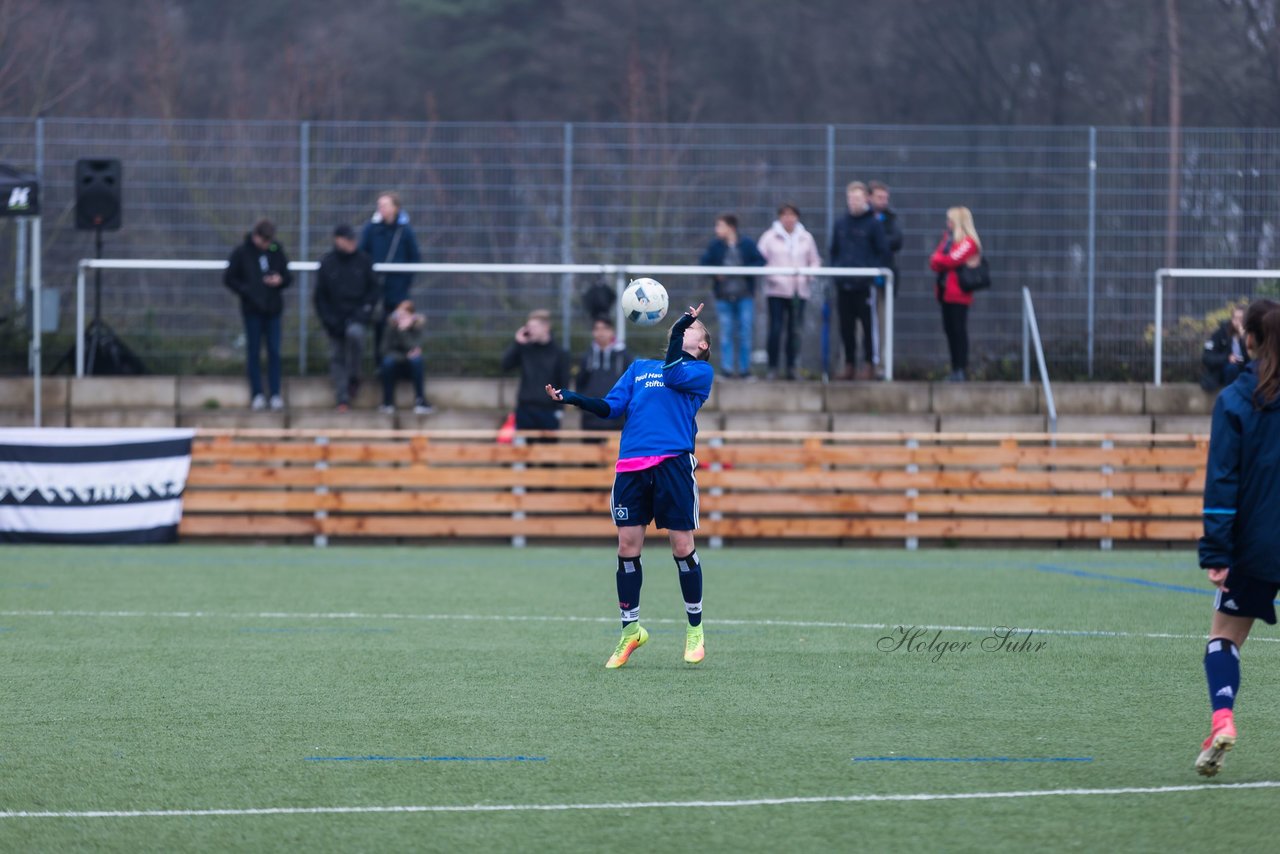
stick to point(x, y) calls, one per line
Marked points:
point(621, 513)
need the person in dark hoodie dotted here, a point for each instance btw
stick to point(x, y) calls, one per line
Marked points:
point(257, 272)
point(857, 240)
point(388, 239)
point(541, 362)
point(1224, 353)
point(604, 362)
point(346, 290)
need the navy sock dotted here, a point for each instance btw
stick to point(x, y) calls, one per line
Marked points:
point(691, 586)
point(630, 576)
point(1222, 670)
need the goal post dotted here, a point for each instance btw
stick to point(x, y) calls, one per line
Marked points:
point(1191, 273)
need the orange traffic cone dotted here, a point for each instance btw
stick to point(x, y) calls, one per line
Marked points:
point(507, 432)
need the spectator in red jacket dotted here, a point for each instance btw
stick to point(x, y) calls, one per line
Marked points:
point(960, 247)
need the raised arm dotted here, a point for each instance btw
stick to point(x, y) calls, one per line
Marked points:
point(675, 345)
point(612, 405)
point(682, 370)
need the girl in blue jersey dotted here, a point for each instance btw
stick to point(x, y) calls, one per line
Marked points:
point(654, 479)
point(1240, 548)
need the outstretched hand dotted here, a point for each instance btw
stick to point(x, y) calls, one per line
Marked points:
point(555, 393)
point(694, 312)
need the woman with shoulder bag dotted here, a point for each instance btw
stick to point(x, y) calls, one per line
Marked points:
point(958, 262)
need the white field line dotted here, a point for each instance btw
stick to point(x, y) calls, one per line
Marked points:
point(640, 805)
point(544, 618)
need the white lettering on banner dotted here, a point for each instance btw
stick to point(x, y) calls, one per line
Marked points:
point(20, 198)
point(94, 493)
point(94, 483)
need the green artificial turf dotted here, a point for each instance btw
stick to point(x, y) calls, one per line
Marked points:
point(204, 677)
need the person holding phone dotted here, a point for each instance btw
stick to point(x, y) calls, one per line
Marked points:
point(541, 362)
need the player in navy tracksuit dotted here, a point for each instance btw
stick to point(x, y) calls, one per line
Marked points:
point(1241, 543)
point(655, 471)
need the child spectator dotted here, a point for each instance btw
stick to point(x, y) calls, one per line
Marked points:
point(402, 343)
point(604, 362)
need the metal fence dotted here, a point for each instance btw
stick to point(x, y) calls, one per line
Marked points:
point(1076, 214)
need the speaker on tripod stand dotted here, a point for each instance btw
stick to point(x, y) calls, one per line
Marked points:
point(98, 208)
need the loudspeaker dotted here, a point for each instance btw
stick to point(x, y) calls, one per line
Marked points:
point(98, 187)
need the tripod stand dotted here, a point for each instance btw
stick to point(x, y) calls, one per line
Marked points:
point(105, 353)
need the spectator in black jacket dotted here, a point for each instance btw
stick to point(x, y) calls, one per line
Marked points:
point(257, 271)
point(1225, 354)
point(858, 240)
point(893, 233)
point(604, 362)
point(346, 290)
point(541, 362)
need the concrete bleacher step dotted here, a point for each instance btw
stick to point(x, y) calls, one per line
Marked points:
point(984, 399)
point(233, 419)
point(1177, 399)
point(1182, 424)
point(808, 422)
point(17, 401)
point(483, 403)
point(879, 398)
point(910, 422)
point(771, 397)
point(1104, 424)
point(992, 424)
point(1109, 399)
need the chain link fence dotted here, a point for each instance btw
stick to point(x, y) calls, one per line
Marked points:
point(1086, 240)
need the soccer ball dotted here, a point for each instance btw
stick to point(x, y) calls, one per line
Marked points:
point(644, 302)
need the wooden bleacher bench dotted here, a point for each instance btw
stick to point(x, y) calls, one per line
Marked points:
point(272, 484)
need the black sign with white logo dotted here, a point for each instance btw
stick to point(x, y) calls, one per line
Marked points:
point(19, 193)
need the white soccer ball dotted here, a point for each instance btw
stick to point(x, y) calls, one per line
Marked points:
point(644, 302)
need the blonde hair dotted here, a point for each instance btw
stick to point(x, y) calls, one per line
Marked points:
point(855, 185)
point(542, 314)
point(961, 221)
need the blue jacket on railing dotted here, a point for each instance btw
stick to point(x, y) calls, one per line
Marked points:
point(713, 256)
point(391, 243)
point(1242, 484)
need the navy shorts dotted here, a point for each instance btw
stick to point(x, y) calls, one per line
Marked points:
point(667, 492)
point(1247, 596)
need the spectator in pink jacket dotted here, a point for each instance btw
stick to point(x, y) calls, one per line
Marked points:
point(787, 243)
